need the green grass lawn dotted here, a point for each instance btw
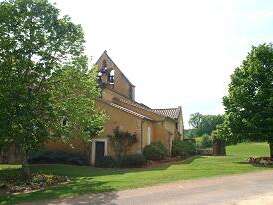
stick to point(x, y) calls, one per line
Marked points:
point(86, 179)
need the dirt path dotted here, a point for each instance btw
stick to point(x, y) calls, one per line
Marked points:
point(246, 189)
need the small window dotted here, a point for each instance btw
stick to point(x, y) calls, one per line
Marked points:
point(149, 136)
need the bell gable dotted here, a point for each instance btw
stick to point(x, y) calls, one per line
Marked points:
point(117, 80)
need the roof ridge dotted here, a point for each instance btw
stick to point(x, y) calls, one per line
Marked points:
point(125, 109)
point(170, 112)
point(166, 108)
point(136, 104)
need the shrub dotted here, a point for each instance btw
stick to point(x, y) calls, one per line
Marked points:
point(134, 160)
point(183, 148)
point(155, 151)
point(52, 157)
point(122, 141)
point(206, 141)
point(106, 161)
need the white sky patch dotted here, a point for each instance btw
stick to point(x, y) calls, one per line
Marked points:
point(176, 52)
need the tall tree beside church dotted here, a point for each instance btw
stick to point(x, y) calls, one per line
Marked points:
point(249, 103)
point(35, 42)
point(74, 94)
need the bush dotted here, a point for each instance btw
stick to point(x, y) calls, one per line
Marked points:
point(106, 161)
point(183, 148)
point(206, 141)
point(155, 151)
point(134, 160)
point(52, 157)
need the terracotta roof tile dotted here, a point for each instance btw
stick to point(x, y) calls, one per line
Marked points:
point(169, 112)
point(129, 111)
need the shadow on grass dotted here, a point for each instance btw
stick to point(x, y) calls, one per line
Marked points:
point(83, 181)
point(164, 165)
point(75, 188)
point(74, 171)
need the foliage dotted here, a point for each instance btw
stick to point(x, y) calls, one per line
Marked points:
point(34, 42)
point(43, 76)
point(126, 161)
point(122, 141)
point(183, 148)
point(223, 132)
point(86, 179)
point(206, 141)
point(190, 133)
point(134, 160)
point(106, 162)
point(195, 120)
point(205, 124)
point(54, 157)
point(249, 103)
point(155, 151)
point(74, 93)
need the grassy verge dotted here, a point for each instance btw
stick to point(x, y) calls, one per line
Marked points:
point(86, 179)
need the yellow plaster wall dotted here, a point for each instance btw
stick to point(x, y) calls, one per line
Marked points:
point(76, 145)
point(145, 126)
point(125, 121)
point(161, 134)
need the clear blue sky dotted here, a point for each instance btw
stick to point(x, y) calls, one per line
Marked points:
point(176, 52)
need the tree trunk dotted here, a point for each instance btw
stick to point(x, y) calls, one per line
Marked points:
point(271, 149)
point(25, 165)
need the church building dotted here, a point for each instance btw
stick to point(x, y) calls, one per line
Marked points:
point(118, 102)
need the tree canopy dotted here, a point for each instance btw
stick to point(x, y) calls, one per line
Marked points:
point(73, 97)
point(249, 103)
point(43, 75)
point(205, 124)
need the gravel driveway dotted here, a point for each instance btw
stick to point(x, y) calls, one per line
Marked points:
point(246, 189)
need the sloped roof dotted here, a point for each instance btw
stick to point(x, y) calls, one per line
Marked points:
point(130, 111)
point(141, 106)
point(155, 111)
point(126, 110)
point(169, 112)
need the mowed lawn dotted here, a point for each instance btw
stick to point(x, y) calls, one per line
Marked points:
point(85, 179)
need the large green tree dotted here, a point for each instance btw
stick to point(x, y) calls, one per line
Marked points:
point(205, 124)
point(74, 94)
point(37, 44)
point(249, 103)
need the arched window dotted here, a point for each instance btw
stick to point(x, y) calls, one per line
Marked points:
point(103, 68)
point(148, 136)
